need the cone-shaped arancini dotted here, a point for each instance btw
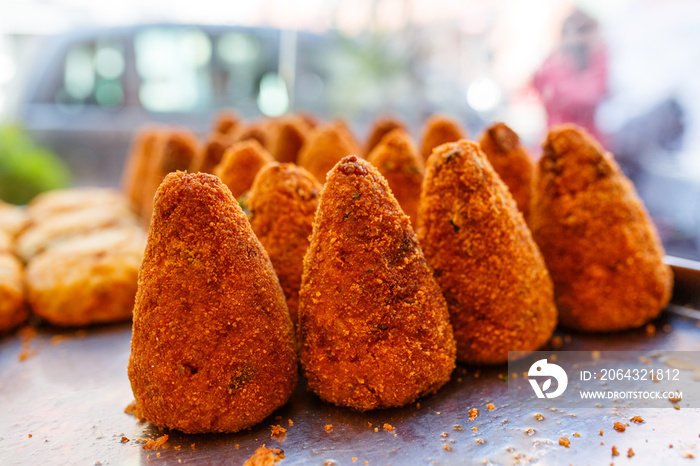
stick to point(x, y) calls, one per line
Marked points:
point(287, 138)
point(241, 162)
point(599, 243)
point(326, 146)
point(226, 122)
point(282, 205)
point(494, 278)
point(174, 150)
point(213, 152)
point(213, 346)
point(136, 169)
point(511, 161)
point(397, 159)
point(374, 327)
point(440, 129)
point(380, 128)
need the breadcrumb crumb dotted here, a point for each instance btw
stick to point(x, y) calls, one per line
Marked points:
point(160, 442)
point(620, 427)
point(329, 428)
point(564, 441)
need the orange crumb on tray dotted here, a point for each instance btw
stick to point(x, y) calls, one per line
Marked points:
point(491, 406)
point(388, 427)
point(265, 457)
point(637, 420)
point(620, 427)
point(630, 453)
point(291, 423)
point(614, 451)
point(329, 427)
point(539, 417)
point(160, 442)
point(278, 431)
point(564, 441)
point(576, 434)
point(473, 414)
point(124, 439)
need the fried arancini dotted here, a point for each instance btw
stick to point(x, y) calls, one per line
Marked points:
point(326, 145)
point(380, 128)
point(137, 163)
point(257, 130)
point(511, 161)
point(213, 346)
point(174, 150)
point(599, 243)
point(374, 327)
point(213, 151)
point(491, 273)
point(12, 307)
point(287, 138)
point(87, 279)
point(282, 205)
point(226, 121)
point(398, 161)
point(58, 228)
point(241, 162)
point(439, 129)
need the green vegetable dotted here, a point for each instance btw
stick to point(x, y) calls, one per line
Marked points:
point(27, 169)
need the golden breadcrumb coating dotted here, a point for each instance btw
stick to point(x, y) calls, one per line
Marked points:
point(326, 145)
point(282, 205)
point(494, 278)
point(213, 152)
point(87, 279)
point(256, 130)
point(511, 161)
point(380, 128)
point(58, 228)
point(397, 159)
point(137, 163)
point(287, 138)
point(374, 327)
point(439, 129)
point(174, 150)
point(226, 121)
point(241, 162)
point(600, 245)
point(213, 347)
point(12, 306)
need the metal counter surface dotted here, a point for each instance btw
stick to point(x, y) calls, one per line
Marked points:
point(70, 395)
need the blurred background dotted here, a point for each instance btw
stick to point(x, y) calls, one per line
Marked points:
point(78, 78)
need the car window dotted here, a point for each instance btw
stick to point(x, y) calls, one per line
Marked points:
point(93, 74)
point(175, 69)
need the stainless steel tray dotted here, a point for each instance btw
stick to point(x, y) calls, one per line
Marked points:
point(65, 405)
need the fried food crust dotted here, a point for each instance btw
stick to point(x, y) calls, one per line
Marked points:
point(380, 128)
point(282, 204)
point(137, 164)
point(213, 151)
point(374, 327)
point(490, 270)
point(511, 161)
point(12, 305)
point(600, 245)
point(398, 161)
point(287, 137)
point(326, 146)
point(174, 150)
point(213, 346)
point(87, 279)
point(439, 129)
point(241, 162)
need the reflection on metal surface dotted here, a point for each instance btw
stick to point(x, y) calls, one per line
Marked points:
point(70, 396)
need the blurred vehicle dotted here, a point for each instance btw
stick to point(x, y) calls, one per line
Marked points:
point(88, 91)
